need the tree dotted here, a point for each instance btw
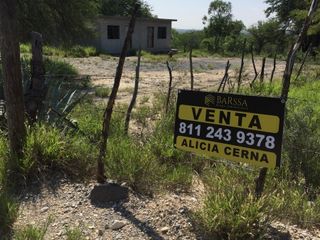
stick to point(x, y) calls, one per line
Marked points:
point(291, 14)
point(220, 23)
point(124, 8)
point(187, 40)
point(267, 32)
point(12, 79)
point(59, 21)
point(283, 9)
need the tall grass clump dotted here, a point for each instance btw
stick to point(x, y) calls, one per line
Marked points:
point(231, 211)
point(150, 57)
point(129, 162)
point(89, 118)
point(73, 51)
point(8, 212)
point(58, 67)
point(47, 148)
point(102, 92)
point(81, 51)
point(31, 232)
point(302, 132)
point(290, 202)
point(74, 234)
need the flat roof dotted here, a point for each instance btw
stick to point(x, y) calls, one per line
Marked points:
point(139, 19)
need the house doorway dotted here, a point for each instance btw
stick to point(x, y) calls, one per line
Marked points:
point(150, 37)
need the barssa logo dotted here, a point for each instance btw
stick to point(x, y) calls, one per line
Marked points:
point(209, 100)
point(222, 101)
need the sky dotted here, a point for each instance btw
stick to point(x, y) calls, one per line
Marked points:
point(189, 13)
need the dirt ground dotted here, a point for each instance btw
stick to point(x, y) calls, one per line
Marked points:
point(154, 76)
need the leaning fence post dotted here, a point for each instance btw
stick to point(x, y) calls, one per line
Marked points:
point(262, 70)
point(303, 61)
point(36, 91)
point(191, 68)
point(225, 77)
point(134, 95)
point(169, 87)
point(109, 109)
point(242, 63)
point(274, 67)
point(254, 67)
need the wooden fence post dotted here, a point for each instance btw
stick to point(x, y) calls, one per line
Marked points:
point(254, 67)
point(303, 61)
point(274, 67)
point(262, 70)
point(191, 68)
point(169, 87)
point(134, 95)
point(242, 63)
point(109, 109)
point(36, 91)
point(225, 77)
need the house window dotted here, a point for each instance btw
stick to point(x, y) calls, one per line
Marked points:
point(113, 32)
point(162, 32)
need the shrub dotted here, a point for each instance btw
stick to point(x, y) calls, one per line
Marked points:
point(58, 67)
point(102, 92)
point(25, 48)
point(81, 51)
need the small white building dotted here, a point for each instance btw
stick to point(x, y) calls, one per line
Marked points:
point(150, 34)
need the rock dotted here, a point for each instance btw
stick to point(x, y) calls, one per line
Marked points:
point(91, 227)
point(108, 192)
point(164, 229)
point(100, 232)
point(44, 209)
point(117, 224)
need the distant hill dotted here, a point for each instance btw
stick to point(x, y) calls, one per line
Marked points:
point(186, 30)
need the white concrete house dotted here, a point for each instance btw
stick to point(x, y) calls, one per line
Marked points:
point(150, 34)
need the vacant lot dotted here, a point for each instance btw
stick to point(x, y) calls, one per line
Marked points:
point(154, 75)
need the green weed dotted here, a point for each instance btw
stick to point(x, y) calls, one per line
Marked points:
point(8, 212)
point(231, 210)
point(74, 51)
point(178, 177)
point(129, 162)
point(58, 67)
point(81, 51)
point(149, 57)
point(25, 48)
point(102, 92)
point(31, 232)
point(74, 234)
point(47, 148)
